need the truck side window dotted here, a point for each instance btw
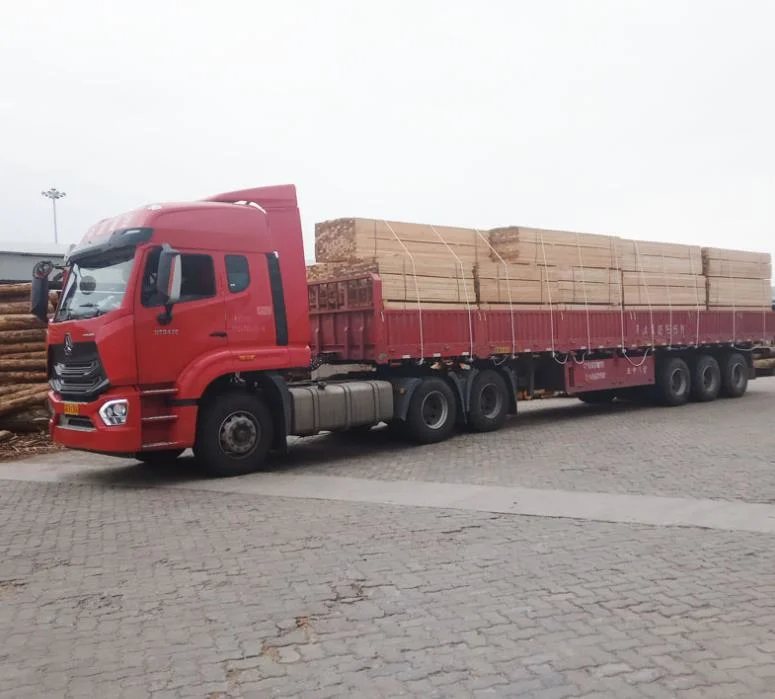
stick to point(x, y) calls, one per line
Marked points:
point(238, 273)
point(198, 278)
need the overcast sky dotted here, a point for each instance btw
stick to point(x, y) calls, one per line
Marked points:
point(649, 119)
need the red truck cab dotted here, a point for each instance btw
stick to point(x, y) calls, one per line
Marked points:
point(127, 367)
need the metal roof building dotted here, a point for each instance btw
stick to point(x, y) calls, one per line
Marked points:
point(17, 259)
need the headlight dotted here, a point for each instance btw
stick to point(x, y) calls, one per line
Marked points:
point(114, 412)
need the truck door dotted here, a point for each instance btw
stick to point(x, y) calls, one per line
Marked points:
point(250, 320)
point(198, 323)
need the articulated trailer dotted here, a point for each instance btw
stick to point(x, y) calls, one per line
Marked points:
point(193, 326)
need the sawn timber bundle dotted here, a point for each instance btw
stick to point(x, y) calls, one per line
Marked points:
point(426, 266)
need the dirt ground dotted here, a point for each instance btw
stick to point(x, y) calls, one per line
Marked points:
point(22, 446)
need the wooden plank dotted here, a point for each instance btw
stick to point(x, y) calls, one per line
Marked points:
point(504, 271)
point(407, 280)
point(740, 264)
point(662, 290)
point(555, 307)
point(428, 306)
point(674, 308)
point(739, 293)
point(370, 239)
point(404, 287)
point(736, 255)
point(657, 258)
point(737, 269)
point(583, 286)
point(551, 247)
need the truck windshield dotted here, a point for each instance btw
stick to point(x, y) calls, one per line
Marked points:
point(96, 285)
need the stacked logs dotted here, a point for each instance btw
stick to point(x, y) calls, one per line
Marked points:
point(23, 378)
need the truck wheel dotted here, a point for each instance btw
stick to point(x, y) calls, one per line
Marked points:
point(674, 382)
point(734, 375)
point(597, 397)
point(432, 412)
point(489, 402)
point(158, 458)
point(234, 434)
point(706, 379)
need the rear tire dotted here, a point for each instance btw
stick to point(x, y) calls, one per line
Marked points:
point(734, 375)
point(597, 397)
point(489, 402)
point(432, 412)
point(706, 379)
point(234, 434)
point(674, 382)
point(162, 457)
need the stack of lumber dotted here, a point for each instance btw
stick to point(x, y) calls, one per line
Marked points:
point(536, 246)
point(533, 268)
point(23, 379)
point(737, 279)
point(567, 269)
point(504, 283)
point(420, 266)
point(660, 275)
point(643, 290)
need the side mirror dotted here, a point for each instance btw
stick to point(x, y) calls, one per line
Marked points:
point(168, 280)
point(88, 285)
point(39, 299)
point(169, 276)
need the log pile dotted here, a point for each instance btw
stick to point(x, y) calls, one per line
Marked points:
point(23, 378)
point(445, 267)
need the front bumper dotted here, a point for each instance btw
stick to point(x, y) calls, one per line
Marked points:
point(88, 432)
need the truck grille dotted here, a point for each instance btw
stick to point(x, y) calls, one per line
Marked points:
point(79, 375)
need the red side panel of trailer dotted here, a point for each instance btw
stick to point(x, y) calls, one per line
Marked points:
point(350, 323)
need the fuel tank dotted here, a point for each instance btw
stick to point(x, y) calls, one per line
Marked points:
point(339, 405)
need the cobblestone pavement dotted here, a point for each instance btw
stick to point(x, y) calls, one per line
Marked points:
point(723, 450)
point(111, 587)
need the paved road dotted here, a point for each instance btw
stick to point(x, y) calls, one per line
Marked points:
point(116, 581)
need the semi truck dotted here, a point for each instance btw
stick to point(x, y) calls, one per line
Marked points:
point(192, 325)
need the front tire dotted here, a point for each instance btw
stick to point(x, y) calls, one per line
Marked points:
point(706, 379)
point(432, 412)
point(234, 434)
point(489, 402)
point(734, 375)
point(674, 382)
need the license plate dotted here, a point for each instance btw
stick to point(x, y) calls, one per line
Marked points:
point(72, 409)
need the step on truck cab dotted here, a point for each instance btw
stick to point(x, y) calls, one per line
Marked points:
point(191, 325)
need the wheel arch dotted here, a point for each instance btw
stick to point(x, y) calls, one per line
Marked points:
point(270, 386)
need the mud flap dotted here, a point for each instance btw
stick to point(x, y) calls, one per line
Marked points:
point(403, 389)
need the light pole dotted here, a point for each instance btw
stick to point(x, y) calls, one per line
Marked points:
point(54, 194)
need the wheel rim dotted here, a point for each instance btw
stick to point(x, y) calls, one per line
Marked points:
point(239, 435)
point(678, 382)
point(737, 375)
point(708, 378)
point(490, 401)
point(434, 410)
